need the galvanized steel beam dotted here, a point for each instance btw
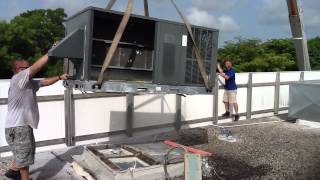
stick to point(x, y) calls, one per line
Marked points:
point(129, 115)
point(277, 94)
point(178, 113)
point(69, 117)
point(249, 97)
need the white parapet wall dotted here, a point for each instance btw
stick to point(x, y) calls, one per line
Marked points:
point(108, 114)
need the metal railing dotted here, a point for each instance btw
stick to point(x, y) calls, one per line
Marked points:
point(69, 98)
point(249, 86)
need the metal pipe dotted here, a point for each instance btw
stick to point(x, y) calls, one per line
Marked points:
point(298, 34)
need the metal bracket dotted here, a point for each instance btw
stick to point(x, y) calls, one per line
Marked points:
point(133, 87)
point(69, 47)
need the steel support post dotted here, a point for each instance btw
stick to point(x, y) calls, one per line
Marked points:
point(215, 101)
point(249, 97)
point(129, 115)
point(301, 76)
point(69, 117)
point(277, 94)
point(177, 123)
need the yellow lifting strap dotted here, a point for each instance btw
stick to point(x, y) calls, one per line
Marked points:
point(110, 4)
point(146, 6)
point(122, 27)
point(116, 39)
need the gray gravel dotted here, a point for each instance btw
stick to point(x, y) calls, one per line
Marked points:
point(280, 150)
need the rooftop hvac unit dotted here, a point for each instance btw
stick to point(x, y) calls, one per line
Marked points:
point(153, 56)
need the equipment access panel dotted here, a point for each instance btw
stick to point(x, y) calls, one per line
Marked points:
point(153, 55)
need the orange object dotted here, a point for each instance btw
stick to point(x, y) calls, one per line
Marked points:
point(189, 149)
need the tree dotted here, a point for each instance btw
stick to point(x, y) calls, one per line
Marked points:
point(314, 53)
point(5, 66)
point(29, 36)
point(241, 50)
point(251, 55)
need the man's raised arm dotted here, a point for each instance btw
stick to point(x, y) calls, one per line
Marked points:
point(38, 65)
point(219, 68)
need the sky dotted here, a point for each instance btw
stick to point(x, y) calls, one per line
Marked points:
point(263, 19)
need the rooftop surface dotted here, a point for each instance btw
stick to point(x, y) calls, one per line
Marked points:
point(280, 150)
point(274, 149)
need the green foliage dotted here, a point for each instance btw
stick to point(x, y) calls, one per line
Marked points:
point(241, 50)
point(253, 55)
point(314, 53)
point(29, 36)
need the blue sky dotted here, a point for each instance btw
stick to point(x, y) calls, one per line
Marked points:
point(264, 19)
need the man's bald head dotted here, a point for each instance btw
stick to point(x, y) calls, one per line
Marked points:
point(19, 65)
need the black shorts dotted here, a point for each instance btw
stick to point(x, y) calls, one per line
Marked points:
point(22, 144)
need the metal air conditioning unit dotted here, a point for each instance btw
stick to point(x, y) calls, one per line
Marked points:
point(153, 56)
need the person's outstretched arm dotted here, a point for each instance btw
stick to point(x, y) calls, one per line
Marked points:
point(219, 68)
point(221, 73)
point(51, 80)
point(38, 65)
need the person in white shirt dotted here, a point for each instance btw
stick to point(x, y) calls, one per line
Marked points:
point(23, 114)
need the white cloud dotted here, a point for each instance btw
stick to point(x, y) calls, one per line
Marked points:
point(274, 12)
point(70, 6)
point(216, 5)
point(228, 24)
point(313, 21)
point(203, 18)
point(311, 13)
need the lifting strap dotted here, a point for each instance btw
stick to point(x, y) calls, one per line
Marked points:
point(146, 8)
point(116, 39)
point(122, 27)
point(195, 48)
point(110, 4)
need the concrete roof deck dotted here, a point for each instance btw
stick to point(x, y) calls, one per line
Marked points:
point(272, 150)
